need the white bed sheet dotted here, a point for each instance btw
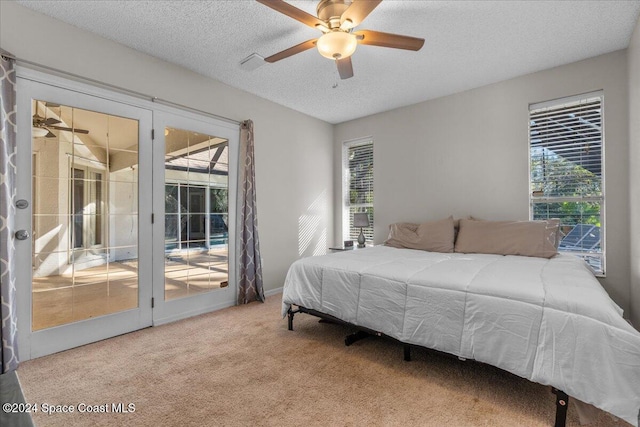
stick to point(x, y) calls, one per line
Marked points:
point(547, 320)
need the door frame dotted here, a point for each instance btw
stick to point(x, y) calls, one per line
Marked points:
point(152, 310)
point(180, 308)
point(32, 84)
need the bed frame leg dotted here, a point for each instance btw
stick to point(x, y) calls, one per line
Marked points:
point(356, 336)
point(290, 314)
point(407, 352)
point(562, 403)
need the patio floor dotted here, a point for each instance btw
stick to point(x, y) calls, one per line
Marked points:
point(113, 287)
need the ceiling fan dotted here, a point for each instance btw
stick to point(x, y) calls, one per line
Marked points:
point(337, 19)
point(42, 127)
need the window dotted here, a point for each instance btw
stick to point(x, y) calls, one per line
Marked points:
point(78, 208)
point(87, 205)
point(185, 204)
point(358, 187)
point(567, 173)
point(196, 191)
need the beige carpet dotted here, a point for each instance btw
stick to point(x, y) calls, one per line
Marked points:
point(242, 367)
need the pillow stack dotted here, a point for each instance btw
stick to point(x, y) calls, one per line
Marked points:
point(434, 236)
point(525, 238)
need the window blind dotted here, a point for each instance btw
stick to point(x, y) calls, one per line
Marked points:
point(566, 174)
point(358, 169)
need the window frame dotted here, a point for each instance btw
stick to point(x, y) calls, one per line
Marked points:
point(179, 184)
point(568, 101)
point(346, 205)
point(90, 168)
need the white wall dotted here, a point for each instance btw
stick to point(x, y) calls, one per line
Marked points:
point(634, 171)
point(123, 219)
point(293, 151)
point(467, 154)
point(50, 231)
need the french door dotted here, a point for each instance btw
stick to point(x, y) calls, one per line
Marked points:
point(84, 177)
point(194, 189)
point(118, 229)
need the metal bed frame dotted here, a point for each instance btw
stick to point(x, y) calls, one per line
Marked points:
point(562, 399)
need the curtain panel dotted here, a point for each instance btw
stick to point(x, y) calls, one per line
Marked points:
point(7, 212)
point(250, 286)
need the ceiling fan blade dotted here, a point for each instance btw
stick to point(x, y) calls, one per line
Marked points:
point(396, 41)
point(293, 12)
point(358, 11)
point(292, 51)
point(50, 134)
point(51, 121)
point(345, 68)
point(83, 131)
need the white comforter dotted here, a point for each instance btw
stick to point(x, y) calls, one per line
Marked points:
point(548, 320)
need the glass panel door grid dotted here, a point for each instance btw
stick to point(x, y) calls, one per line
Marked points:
point(196, 213)
point(85, 214)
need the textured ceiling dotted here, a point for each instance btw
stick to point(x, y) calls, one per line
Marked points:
point(468, 44)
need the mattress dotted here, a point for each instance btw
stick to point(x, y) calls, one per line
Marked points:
point(547, 320)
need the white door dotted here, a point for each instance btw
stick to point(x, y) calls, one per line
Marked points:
point(84, 168)
point(194, 168)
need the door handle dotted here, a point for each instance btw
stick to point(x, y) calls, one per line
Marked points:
point(22, 234)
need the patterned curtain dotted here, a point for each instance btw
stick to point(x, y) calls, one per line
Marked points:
point(248, 244)
point(7, 212)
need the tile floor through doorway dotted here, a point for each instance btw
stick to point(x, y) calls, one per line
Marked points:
point(113, 287)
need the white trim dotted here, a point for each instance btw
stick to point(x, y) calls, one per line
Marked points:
point(123, 96)
point(37, 343)
point(603, 206)
point(357, 141)
point(150, 112)
point(35, 201)
point(272, 292)
point(186, 315)
point(344, 206)
point(44, 74)
point(560, 102)
point(190, 313)
point(173, 309)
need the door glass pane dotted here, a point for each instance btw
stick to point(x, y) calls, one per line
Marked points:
point(85, 214)
point(196, 211)
point(78, 208)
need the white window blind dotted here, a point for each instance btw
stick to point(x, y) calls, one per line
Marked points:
point(567, 171)
point(358, 187)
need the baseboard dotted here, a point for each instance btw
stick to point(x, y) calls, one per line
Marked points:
point(272, 292)
point(192, 313)
point(185, 315)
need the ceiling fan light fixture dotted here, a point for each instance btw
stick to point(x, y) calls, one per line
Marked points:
point(337, 45)
point(38, 132)
point(346, 25)
point(322, 28)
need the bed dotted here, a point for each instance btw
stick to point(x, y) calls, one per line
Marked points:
point(545, 319)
